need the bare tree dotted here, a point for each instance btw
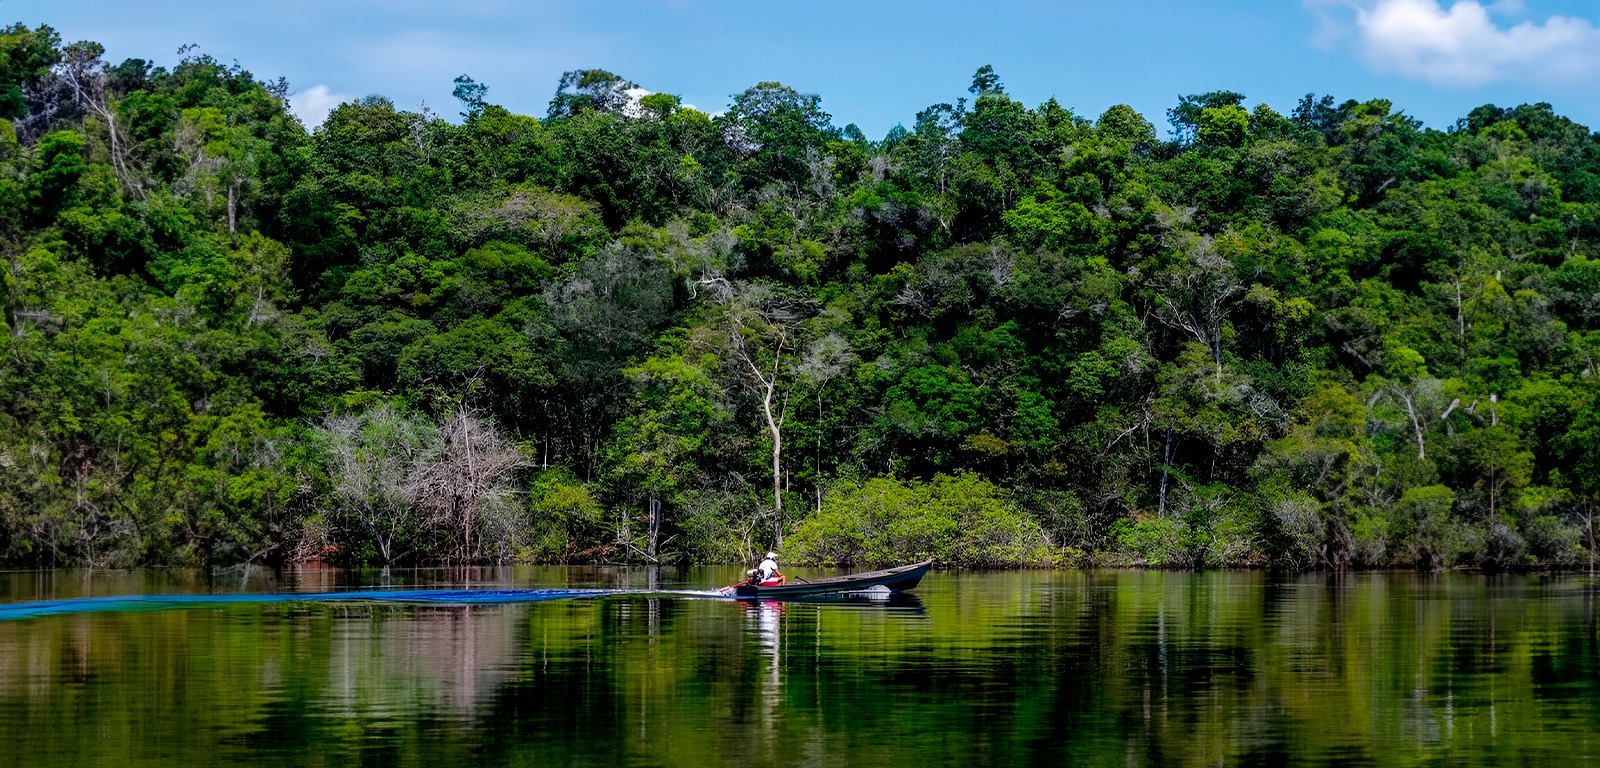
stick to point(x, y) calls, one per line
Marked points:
point(522, 214)
point(1418, 401)
point(82, 78)
point(371, 458)
point(760, 329)
point(464, 483)
point(1194, 298)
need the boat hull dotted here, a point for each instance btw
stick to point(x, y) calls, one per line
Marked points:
point(898, 579)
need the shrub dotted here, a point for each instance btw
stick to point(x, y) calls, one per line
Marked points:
point(1297, 520)
point(1157, 541)
point(1215, 529)
point(1371, 535)
point(962, 521)
point(1555, 543)
point(565, 517)
point(1503, 548)
point(1422, 528)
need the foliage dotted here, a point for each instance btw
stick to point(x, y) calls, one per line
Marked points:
point(1329, 340)
point(962, 521)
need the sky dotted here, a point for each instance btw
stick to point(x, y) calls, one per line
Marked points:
point(878, 63)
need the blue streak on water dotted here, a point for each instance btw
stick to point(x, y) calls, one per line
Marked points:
point(14, 611)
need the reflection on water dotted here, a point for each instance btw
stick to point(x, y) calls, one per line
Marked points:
point(1122, 668)
point(768, 615)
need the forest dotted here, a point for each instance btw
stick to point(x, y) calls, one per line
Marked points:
point(1321, 336)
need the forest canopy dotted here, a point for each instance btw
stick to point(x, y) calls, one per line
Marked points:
point(1318, 336)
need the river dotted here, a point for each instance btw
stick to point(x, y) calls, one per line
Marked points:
point(1015, 668)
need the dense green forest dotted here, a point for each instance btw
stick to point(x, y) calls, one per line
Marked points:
point(1322, 337)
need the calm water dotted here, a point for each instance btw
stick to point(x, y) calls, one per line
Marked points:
point(1105, 668)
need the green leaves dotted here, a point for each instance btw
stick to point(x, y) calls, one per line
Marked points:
point(26, 56)
point(1222, 126)
point(959, 521)
point(1329, 339)
point(935, 401)
point(1047, 220)
point(60, 162)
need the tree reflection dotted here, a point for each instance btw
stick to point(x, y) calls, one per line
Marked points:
point(1142, 668)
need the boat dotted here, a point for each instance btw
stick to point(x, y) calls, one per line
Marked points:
point(901, 603)
point(888, 580)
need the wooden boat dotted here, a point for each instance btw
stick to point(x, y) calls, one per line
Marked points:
point(901, 603)
point(888, 580)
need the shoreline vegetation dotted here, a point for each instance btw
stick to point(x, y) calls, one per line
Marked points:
point(1311, 336)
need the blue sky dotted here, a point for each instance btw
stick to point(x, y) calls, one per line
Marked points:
point(878, 63)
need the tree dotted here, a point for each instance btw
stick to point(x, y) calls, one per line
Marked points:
point(932, 145)
point(1194, 295)
point(776, 125)
point(1580, 445)
point(759, 329)
point(606, 315)
point(222, 160)
point(1123, 123)
point(472, 95)
point(826, 358)
point(659, 448)
point(26, 56)
point(1421, 404)
point(462, 484)
point(584, 90)
point(1187, 116)
point(1494, 460)
point(986, 82)
point(371, 459)
point(80, 82)
point(60, 164)
point(1222, 126)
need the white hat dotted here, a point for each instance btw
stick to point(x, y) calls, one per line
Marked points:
point(772, 555)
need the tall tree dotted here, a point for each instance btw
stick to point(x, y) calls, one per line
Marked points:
point(759, 330)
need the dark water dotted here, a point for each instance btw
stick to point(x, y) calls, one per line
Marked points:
point(1105, 668)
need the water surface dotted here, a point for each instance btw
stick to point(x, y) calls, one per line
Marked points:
point(1071, 668)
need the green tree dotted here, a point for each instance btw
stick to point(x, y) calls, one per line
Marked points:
point(583, 90)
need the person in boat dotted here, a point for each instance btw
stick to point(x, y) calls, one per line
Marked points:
point(767, 574)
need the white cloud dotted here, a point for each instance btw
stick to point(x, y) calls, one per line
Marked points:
point(635, 95)
point(313, 104)
point(1463, 45)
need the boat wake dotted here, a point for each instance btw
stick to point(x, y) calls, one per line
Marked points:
point(14, 611)
point(689, 593)
point(875, 595)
